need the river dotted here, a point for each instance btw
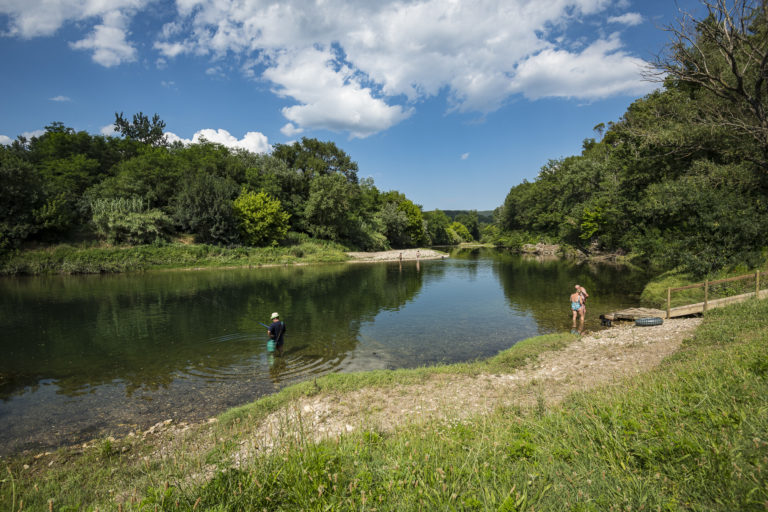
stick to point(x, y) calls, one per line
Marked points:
point(86, 356)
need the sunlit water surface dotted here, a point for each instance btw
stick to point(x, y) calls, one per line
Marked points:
point(84, 356)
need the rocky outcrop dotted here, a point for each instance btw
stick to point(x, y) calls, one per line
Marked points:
point(541, 249)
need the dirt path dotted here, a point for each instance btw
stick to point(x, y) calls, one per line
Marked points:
point(593, 360)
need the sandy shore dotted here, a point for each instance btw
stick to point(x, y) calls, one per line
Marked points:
point(396, 254)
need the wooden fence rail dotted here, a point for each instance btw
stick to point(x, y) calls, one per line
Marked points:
point(707, 304)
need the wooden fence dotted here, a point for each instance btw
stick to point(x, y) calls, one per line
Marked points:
point(707, 304)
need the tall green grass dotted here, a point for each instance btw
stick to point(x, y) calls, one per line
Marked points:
point(692, 435)
point(67, 259)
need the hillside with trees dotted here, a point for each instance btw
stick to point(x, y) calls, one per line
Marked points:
point(681, 179)
point(138, 189)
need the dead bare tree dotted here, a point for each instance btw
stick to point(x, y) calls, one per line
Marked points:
point(725, 53)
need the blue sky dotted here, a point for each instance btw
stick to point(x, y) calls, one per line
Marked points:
point(451, 102)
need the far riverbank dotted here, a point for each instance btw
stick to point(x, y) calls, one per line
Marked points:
point(68, 259)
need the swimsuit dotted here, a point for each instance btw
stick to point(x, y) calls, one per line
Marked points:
point(575, 306)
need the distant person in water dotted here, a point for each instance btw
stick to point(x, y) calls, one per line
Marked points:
point(276, 331)
point(581, 291)
point(577, 307)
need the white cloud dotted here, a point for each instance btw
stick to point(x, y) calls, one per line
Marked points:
point(357, 66)
point(108, 41)
point(254, 142)
point(171, 50)
point(600, 70)
point(33, 18)
point(363, 66)
point(60, 98)
point(5, 140)
point(329, 98)
point(464, 156)
point(109, 131)
point(630, 18)
point(289, 130)
point(33, 133)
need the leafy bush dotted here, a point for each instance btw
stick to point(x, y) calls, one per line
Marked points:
point(204, 207)
point(461, 231)
point(261, 218)
point(20, 194)
point(126, 220)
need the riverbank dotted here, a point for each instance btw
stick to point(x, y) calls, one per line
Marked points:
point(66, 259)
point(634, 417)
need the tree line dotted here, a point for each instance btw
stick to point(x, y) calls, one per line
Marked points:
point(681, 179)
point(138, 189)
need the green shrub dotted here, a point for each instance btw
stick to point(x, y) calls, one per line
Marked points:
point(126, 220)
point(261, 218)
point(204, 207)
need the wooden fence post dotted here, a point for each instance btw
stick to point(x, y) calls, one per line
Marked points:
point(706, 293)
point(669, 302)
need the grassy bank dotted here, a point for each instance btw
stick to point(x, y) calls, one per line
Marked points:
point(691, 435)
point(67, 259)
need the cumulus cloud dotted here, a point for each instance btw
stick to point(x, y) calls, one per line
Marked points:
point(108, 39)
point(254, 142)
point(33, 133)
point(330, 97)
point(109, 131)
point(290, 130)
point(362, 66)
point(600, 70)
point(630, 18)
point(5, 140)
point(60, 98)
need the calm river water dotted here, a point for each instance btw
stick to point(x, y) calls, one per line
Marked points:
point(84, 356)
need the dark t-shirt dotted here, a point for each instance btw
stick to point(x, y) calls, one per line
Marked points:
point(276, 331)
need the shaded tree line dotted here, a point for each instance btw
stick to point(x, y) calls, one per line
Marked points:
point(680, 180)
point(137, 189)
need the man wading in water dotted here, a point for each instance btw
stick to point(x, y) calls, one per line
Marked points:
point(276, 331)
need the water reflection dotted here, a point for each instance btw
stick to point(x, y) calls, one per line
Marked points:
point(89, 354)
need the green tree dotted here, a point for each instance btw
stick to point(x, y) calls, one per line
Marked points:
point(438, 225)
point(153, 175)
point(20, 195)
point(142, 129)
point(314, 158)
point(471, 221)
point(724, 55)
point(261, 218)
point(329, 210)
point(204, 206)
point(409, 232)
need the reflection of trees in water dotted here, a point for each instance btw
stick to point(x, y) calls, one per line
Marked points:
point(541, 286)
point(145, 329)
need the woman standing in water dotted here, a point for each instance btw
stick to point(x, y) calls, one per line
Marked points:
point(577, 308)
